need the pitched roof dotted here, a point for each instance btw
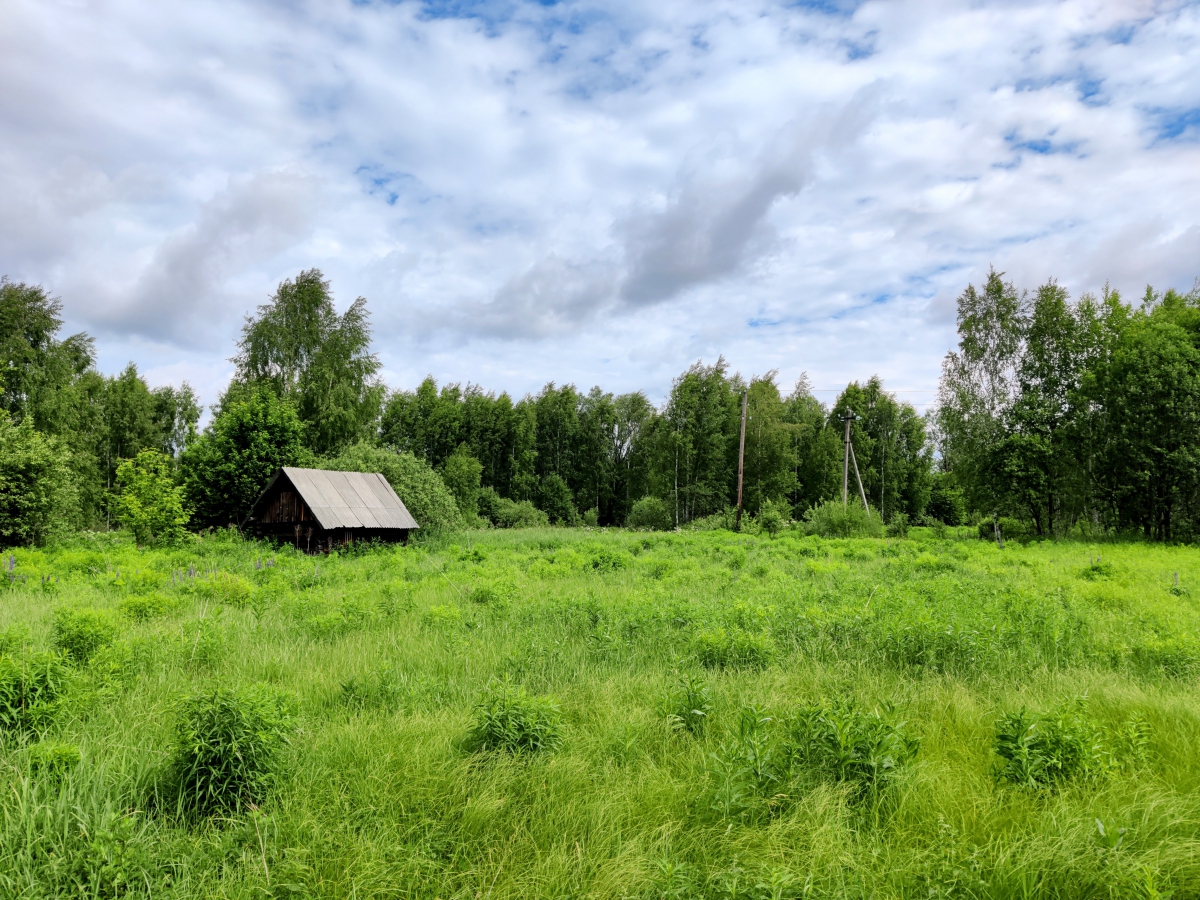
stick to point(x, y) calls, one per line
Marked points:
point(348, 499)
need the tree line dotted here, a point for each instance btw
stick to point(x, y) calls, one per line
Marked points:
point(1054, 415)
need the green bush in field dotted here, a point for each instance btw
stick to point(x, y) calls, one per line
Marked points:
point(142, 608)
point(1042, 750)
point(227, 747)
point(688, 705)
point(843, 742)
point(507, 719)
point(772, 516)
point(829, 519)
point(505, 513)
point(650, 514)
point(150, 504)
point(734, 648)
point(80, 631)
point(51, 761)
point(31, 691)
point(898, 526)
point(461, 474)
point(37, 487)
point(497, 593)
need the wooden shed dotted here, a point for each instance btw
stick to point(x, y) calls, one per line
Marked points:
point(319, 510)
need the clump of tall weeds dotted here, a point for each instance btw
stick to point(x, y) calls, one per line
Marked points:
point(509, 720)
point(32, 687)
point(688, 705)
point(80, 631)
point(228, 745)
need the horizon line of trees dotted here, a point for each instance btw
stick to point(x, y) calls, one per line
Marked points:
point(1055, 414)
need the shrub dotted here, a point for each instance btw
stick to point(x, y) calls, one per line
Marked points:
point(507, 719)
point(420, 488)
point(772, 517)
point(1041, 750)
point(650, 514)
point(844, 743)
point(688, 705)
point(946, 502)
point(1010, 530)
point(735, 648)
point(504, 513)
point(150, 504)
point(227, 748)
point(37, 488)
point(80, 631)
point(51, 761)
point(226, 468)
point(556, 501)
point(494, 594)
point(829, 519)
point(898, 526)
point(461, 473)
point(225, 587)
point(31, 691)
point(148, 606)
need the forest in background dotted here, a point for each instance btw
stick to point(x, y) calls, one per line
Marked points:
point(1054, 416)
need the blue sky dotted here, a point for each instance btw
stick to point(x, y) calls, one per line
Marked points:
point(592, 192)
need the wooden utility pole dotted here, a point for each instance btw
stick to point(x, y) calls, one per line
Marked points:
point(848, 458)
point(741, 461)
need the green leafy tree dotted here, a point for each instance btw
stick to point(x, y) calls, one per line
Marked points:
point(461, 473)
point(150, 504)
point(770, 462)
point(817, 449)
point(321, 362)
point(37, 489)
point(224, 470)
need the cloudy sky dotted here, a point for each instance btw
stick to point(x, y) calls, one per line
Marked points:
point(596, 192)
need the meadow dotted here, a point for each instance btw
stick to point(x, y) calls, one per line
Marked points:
point(599, 713)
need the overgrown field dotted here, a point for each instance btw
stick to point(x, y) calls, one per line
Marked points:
point(569, 713)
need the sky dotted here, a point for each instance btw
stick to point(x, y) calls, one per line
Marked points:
point(594, 193)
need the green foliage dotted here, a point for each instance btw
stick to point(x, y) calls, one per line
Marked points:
point(461, 473)
point(32, 688)
point(505, 513)
point(150, 504)
point(252, 436)
point(227, 748)
point(946, 501)
point(772, 516)
point(554, 499)
point(51, 760)
point(144, 607)
point(688, 705)
point(831, 519)
point(1042, 750)
point(898, 526)
point(419, 488)
point(37, 492)
point(509, 720)
point(650, 514)
point(843, 742)
point(81, 631)
point(300, 349)
point(733, 648)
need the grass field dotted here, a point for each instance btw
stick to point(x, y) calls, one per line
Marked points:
point(574, 713)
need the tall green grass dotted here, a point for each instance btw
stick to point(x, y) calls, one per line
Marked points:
point(570, 713)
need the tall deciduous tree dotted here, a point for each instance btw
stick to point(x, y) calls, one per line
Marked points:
point(314, 358)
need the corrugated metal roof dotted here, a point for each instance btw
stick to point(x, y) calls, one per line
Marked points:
point(350, 499)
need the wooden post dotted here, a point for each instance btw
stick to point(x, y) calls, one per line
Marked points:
point(847, 418)
point(741, 461)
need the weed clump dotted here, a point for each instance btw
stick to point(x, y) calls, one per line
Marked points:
point(142, 608)
point(52, 761)
point(688, 705)
point(80, 631)
point(509, 720)
point(845, 743)
point(830, 519)
point(228, 743)
point(1043, 750)
point(31, 691)
point(496, 594)
point(718, 648)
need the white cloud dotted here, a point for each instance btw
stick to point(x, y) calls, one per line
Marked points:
point(592, 192)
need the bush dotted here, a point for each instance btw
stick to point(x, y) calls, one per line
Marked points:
point(80, 631)
point(504, 513)
point(898, 527)
point(650, 514)
point(509, 720)
point(150, 505)
point(31, 691)
point(420, 488)
point(494, 594)
point(227, 748)
point(461, 473)
point(844, 743)
point(772, 517)
point(226, 468)
point(829, 519)
point(37, 488)
point(1043, 750)
point(148, 606)
point(946, 502)
point(556, 501)
point(719, 648)
point(1010, 530)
